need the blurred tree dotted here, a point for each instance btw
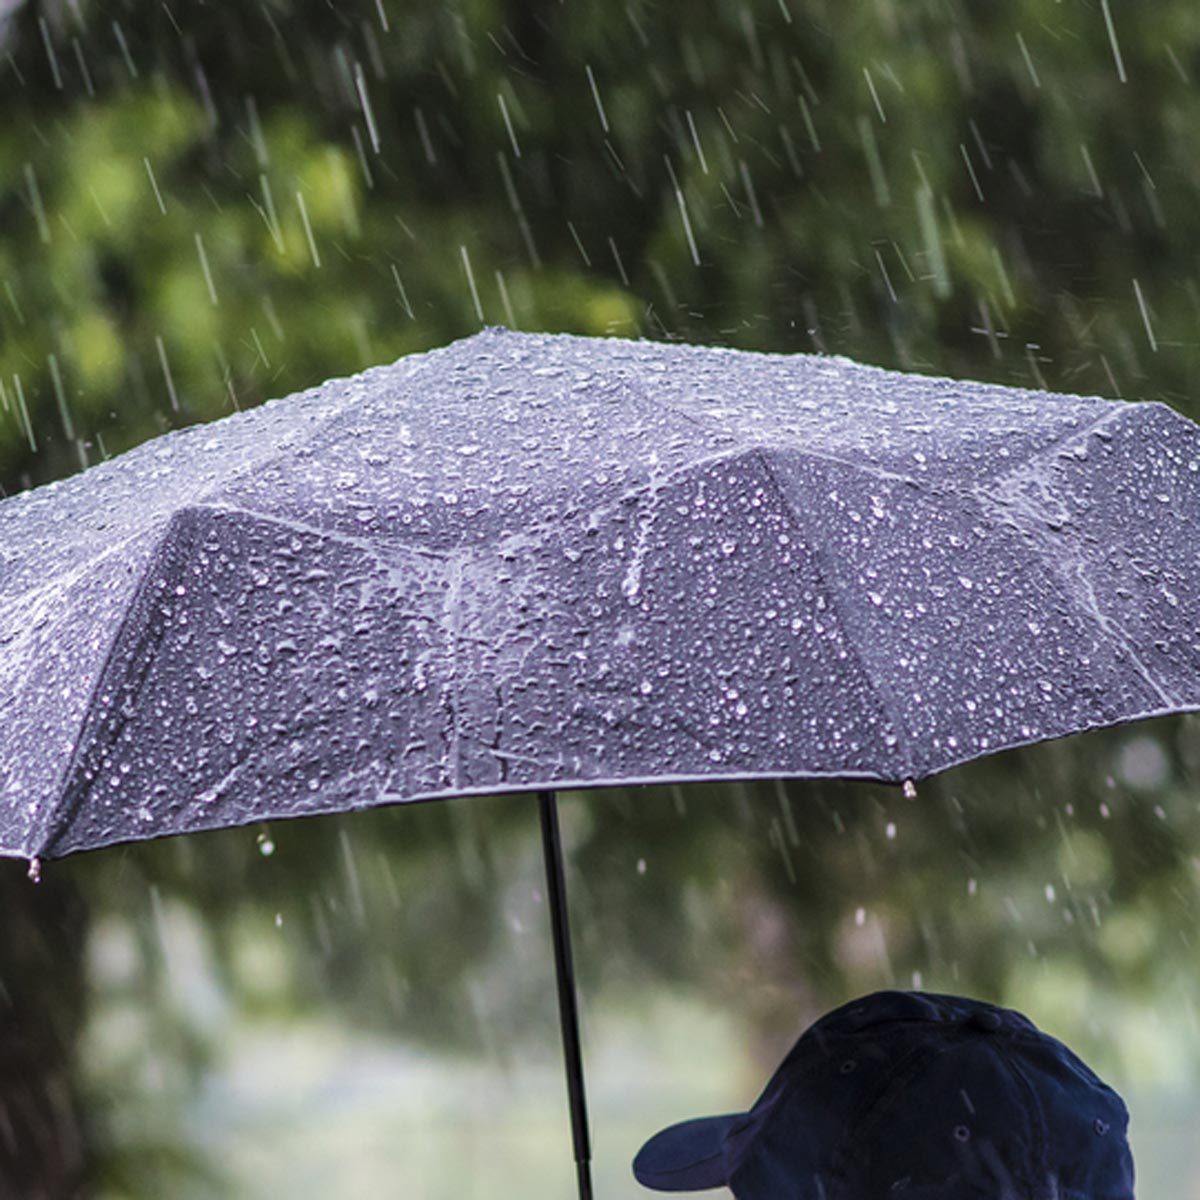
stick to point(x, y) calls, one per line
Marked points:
point(196, 213)
point(202, 209)
point(43, 1138)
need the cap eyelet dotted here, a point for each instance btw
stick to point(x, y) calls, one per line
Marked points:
point(962, 1133)
point(1100, 1126)
point(847, 1066)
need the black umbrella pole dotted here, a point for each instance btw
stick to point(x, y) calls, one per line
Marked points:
point(564, 969)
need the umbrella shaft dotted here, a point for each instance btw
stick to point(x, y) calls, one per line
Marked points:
point(568, 1013)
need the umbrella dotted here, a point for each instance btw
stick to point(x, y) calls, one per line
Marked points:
point(527, 562)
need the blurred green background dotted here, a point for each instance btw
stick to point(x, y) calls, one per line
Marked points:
point(203, 206)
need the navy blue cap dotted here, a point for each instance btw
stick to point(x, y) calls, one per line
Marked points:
point(911, 1096)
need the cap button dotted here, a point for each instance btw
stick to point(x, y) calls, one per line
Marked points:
point(986, 1020)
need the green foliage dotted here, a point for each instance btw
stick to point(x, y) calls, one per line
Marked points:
point(203, 212)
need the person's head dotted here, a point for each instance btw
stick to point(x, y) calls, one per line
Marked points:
point(911, 1096)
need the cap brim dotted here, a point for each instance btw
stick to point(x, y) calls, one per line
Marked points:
point(686, 1157)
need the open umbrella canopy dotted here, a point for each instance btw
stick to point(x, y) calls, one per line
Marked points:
point(528, 561)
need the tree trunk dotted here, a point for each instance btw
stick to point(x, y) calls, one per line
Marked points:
point(41, 1008)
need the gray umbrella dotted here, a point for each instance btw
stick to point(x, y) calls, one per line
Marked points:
point(523, 563)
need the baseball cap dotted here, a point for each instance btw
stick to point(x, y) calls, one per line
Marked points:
point(911, 1096)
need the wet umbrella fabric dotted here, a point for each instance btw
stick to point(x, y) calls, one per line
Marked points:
point(528, 562)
